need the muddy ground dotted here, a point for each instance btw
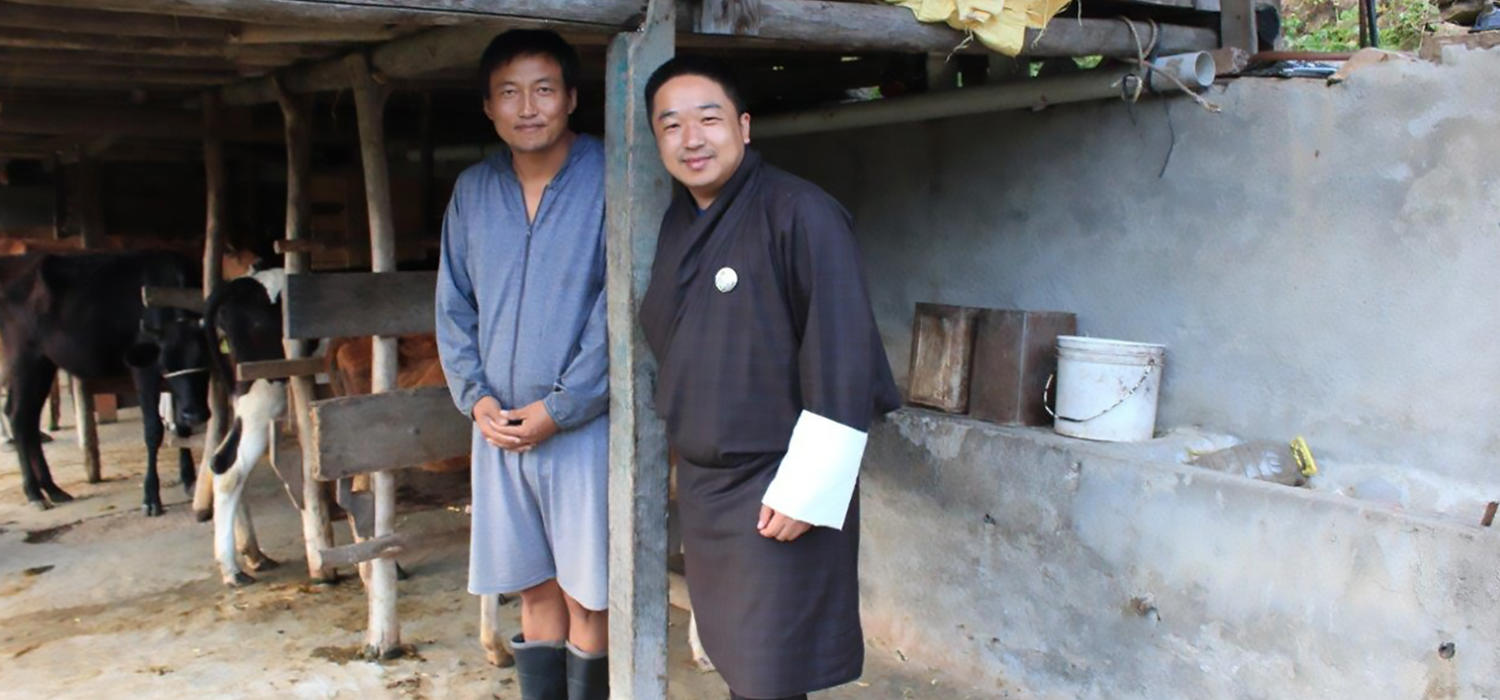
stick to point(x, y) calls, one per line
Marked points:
point(97, 600)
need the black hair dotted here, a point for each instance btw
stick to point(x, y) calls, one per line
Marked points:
point(703, 66)
point(513, 44)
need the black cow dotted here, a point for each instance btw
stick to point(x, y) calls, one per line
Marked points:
point(83, 313)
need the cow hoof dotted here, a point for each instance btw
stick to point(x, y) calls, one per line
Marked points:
point(40, 504)
point(152, 510)
point(401, 574)
point(204, 515)
point(239, 579)
point(499, 658)
point(57, 495)
point(264, 563)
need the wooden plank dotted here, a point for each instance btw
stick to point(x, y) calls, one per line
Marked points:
point(20, 16)
point(389, 546)
point(637, 188)
point(347, 304)
point(173, 298)
point(416, 426)
point(121, 74)
point(1237, 25)
point(739, 17)
point(384, 546)
point(280, 369)
point(41, 39)
point(942, 347)
point(610, 13)
point(53, 57)
point(304, 33)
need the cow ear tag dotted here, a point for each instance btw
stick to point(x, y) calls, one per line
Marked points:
point(726, 279)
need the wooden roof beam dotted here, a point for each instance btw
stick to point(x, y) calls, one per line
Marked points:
point(60, 119)
point(68, 41)
point(121, 75)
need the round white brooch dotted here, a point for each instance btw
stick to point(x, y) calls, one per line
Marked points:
point(725, 279)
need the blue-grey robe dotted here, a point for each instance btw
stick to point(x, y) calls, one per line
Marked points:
point(521, 318)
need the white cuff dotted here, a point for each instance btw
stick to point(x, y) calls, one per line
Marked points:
point(815, 482)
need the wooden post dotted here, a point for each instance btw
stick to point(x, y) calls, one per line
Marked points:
point(638, 189)
point(213, 271)
point(88, 431)
point(1237, 25)
point(86, 215)
point(384, 636)
point(90, 206)
point(317, 529)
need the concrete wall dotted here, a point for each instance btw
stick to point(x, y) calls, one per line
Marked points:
point(1039, 566)
point(1319, 260)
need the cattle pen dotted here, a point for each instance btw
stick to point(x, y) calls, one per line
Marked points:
point(326, 134)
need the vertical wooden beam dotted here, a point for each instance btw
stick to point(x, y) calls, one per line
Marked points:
point(88, 430)
point(90, 204)
point(637, 188)
point(317, 528)
point(1237, 25)
point(213, 273)
point(59, 199)
point(384, 637)
point(88, 218)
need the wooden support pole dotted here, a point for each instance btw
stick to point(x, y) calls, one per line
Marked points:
point(87, 216)
point(88, 430)
point(1237, 25)
point(638, 189)
point(384, 635)
point(317, 528)
point(90, 204)
point(213, 271)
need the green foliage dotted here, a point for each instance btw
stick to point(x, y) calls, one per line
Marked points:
point(1401, 22)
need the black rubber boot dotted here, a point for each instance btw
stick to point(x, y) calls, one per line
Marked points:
point(542, 669)
point(588, 675)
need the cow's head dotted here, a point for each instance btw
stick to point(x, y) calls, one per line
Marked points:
point(171, 342)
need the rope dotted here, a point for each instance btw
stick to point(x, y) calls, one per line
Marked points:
point(1144, 69)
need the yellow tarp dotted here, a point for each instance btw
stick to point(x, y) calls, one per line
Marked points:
point(999, 24)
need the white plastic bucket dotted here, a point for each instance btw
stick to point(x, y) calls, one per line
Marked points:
point(1107, 389)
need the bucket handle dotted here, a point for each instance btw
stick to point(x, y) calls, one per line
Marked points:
point(1047, 395)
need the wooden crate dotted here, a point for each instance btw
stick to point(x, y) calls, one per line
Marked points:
point(1015, 352)
point(942, 346)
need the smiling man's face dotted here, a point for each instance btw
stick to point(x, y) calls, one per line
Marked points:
point(529, 103)
point(700, 134)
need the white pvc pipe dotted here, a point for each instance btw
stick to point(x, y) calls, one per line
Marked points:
point(1195, 70)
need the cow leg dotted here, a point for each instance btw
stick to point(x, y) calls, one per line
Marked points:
point(246, 543)
point(148, 387)
point(248, 439)
point(229, 488)
point(29, 379)
point(186, 470)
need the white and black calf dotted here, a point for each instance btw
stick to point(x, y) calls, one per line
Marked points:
point(83, 313)
point(247, 311)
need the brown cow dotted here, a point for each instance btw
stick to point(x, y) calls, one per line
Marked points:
point(417, 365)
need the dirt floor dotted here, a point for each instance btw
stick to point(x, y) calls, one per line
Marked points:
point(97, 600)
